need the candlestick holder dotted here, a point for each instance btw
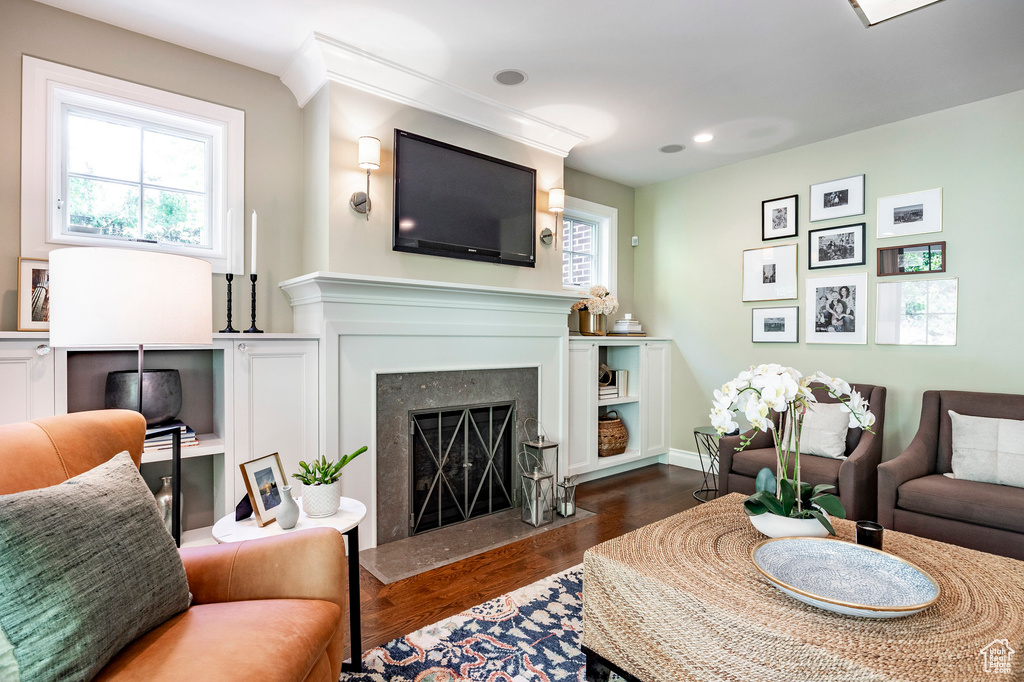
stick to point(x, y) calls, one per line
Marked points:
point(253, 329)
point(229, 329)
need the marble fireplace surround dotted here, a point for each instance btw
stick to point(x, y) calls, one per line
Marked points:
point(372, 326)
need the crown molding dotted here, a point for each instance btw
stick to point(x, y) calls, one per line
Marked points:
point(322, 59)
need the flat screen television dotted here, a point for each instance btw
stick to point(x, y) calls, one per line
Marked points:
point(457, 203)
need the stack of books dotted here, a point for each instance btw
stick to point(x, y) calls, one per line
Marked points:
point(627, 326)
point(617, 387)
point(188, 436)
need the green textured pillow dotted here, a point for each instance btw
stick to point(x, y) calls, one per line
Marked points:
point(86, 567)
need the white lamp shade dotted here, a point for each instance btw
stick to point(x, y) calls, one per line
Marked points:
point(556, 200)
point(369, 152)
point(120, 297)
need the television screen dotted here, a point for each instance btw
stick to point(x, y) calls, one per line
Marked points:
point(457, 203)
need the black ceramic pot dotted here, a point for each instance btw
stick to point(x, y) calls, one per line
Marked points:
point(161, 393)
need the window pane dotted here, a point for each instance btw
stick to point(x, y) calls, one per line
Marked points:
point(98, 207)
point(175, 217)
point(174, 161)
point(581, 270)
point(584, 237)
point(566, 238)
point(102, 148)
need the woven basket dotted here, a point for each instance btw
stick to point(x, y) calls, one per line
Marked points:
point(612, 436)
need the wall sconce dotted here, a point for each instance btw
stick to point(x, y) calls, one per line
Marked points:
point(369, 158)
point(556, 204)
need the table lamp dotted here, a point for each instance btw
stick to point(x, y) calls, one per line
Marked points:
point(103, 297)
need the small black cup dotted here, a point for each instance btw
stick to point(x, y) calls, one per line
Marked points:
point(869, 534)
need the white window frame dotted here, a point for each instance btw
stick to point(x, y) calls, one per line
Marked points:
point(607, 219)
point(48, 88)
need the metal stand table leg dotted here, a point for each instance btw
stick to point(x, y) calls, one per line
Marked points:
point(356, 663)
point(707, 446)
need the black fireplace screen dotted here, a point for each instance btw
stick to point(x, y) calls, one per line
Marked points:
point(462, 461)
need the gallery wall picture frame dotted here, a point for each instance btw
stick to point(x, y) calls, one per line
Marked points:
point(902, 215)
point(837, 198)
point(916, 312)
point(264, 478)
point(769, 273)
point(779, 218)
point(912, 259)
point(837, 309)
point(775, 325)
point(836, 247)
point(33, 295)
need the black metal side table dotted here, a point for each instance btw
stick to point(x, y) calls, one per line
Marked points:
point(707, 447)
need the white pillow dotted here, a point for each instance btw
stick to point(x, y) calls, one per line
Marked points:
point(824, 431)
point(988, 450)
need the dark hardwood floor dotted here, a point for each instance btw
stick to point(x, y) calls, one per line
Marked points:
point(621, 503)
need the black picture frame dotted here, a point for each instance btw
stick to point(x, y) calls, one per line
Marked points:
point(835, 252)
point(770, 228)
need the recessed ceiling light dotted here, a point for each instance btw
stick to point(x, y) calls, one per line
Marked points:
point(510, 77)
point(875, 11)
point(703, 137)
point(671, 148)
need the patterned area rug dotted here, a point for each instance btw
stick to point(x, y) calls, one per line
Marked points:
point(530, 635)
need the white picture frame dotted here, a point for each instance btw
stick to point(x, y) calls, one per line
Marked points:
point(917, 312)
point(829, 322)
point(902, 215)
point(769, 273)
point(775, 325)
point(837, 198)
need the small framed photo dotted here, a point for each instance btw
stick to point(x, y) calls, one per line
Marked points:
point(769, 273)
point(33, 295)
point(264, 479)
point(907, 214)
point(836, 247)
point(837, 198)
point(837, 309)
point(912, 259)
point(775, 325)
point(778, 218)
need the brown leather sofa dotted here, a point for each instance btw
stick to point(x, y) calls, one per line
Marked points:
point(268, 609)
point(854, 478)
point(914, 496)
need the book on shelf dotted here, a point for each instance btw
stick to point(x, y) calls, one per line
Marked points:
point(627, 334)
point(621, 379)
point(164, 442)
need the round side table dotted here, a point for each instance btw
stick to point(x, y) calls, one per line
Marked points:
point(346, 521)
point(707, 446)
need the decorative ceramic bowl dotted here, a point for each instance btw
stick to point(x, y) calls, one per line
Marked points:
point(845, 578)
point(775, 526)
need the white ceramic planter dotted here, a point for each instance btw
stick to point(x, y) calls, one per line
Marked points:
point(775, 526)
point(321, 500)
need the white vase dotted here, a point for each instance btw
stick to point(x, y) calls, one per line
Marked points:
point(287, 511)
point(775, 526)
point(321, 500)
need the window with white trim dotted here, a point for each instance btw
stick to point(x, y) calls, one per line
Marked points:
point(112, 163)
point(588, 244)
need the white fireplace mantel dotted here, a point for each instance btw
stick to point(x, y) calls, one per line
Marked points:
point(376, 325)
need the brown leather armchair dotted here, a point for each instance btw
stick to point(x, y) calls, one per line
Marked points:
point(265, 609)
point(854, 478)
point(915, 497)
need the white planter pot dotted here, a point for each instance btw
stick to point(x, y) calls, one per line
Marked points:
point(775, 526)
point(321, 500)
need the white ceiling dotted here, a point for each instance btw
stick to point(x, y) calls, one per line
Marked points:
point(762, 75)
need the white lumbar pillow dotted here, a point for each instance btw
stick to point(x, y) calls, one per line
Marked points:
point(824, 431)
point(988, 450)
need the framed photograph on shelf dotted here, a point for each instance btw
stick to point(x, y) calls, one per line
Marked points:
point(33, 295)
point(837, 198)
point(775, 325)
point(912, 259)
point(837, 309)
point(264, 479)
point(906, 214)
point(769, 273)
point(836, 247)
point(778, 218)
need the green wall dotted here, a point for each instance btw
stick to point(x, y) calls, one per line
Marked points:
point(693, 231)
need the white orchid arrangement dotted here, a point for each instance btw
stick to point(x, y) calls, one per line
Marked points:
point(769, 388)
point(600, 302)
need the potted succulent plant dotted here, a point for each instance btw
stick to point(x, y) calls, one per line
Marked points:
point(784, 506)
point(321, 479)
point(592, 311)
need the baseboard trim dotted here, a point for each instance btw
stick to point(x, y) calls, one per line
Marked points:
point(685, 459)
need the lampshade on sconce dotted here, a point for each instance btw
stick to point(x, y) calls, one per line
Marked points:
point(556, 204)
point(369, 158)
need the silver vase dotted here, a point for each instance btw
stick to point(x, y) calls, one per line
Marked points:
point(287, 511)
point(164, 498)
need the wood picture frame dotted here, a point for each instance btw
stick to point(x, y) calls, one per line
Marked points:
point(902, 215)
point(769, 273)
point(779, 218)
point(264, 477)
point(912, 259)
point(837, 198)
point(837, 309)
point(33, 295)
point(775, 325)
point(836, 247)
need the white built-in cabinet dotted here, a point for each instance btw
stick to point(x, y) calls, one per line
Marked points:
point(644, 409)
point(26, 378)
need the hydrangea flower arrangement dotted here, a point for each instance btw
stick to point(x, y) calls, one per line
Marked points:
point(600, 302)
